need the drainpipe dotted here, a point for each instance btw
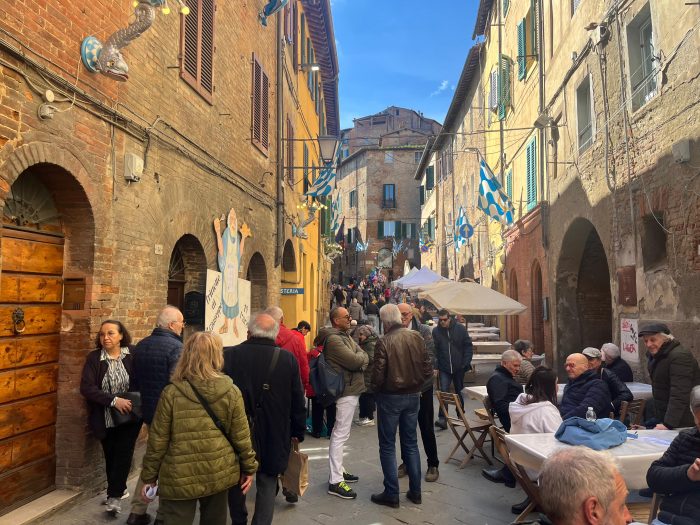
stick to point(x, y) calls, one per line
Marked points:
point(543, 131)
point(500, 121)
point(280, 130)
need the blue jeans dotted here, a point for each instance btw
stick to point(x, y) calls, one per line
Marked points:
point(398, 411)
point(446, 379)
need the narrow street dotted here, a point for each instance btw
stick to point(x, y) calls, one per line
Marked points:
point(458, 497)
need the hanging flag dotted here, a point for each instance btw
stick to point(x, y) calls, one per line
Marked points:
point(335, 212)
point(492, 199)
point(322, 186)
point(340, 235)
point(463, 230)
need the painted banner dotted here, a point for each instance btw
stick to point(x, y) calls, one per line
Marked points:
point(629, 340)
point(232, 330)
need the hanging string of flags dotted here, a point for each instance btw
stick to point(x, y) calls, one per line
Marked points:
point(322, 186)
point(492, 199)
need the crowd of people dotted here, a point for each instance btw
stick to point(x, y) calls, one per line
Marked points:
point(219, 418)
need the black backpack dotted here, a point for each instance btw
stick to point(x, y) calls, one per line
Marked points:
point(326, 382)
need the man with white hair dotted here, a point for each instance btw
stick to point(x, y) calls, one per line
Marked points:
point(674, 372)
point(503, 389)
point(274, 403)
point(614, 363)
point(401, 367)
point(155, 357)
point(289, 340)
point(579, 486)
point(677, 473)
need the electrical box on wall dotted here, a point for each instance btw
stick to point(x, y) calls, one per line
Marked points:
point(627, 286)
point(133, 167)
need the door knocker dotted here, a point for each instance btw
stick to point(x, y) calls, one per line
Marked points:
point(18, 323)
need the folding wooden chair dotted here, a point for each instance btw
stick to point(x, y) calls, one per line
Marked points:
point(471, 429)
point(487, 414)
point(634, 409)
point(531, 489)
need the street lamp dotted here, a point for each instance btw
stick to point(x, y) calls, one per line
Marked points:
point(328, 144)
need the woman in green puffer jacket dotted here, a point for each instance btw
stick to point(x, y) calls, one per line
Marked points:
point(187, 455)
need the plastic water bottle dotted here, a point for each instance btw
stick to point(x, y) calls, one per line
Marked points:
point(590, 414)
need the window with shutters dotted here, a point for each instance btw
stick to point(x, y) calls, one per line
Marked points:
point(421, 195)
point(353, 198)
point(527, 40)
point(409, 230)
point(643, 64)
point(531, 170)
point(289, 22)
point(504, 98)
point(260, 114)
point(295, 36)
point(197, 47)
point(290, 153)
point(305, 169)
point(438, 168)
point(386, 229)
point(493, 91)
point(429, 178)
point(302, 38)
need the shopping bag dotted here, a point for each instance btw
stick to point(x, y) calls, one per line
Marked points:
point(296, 477)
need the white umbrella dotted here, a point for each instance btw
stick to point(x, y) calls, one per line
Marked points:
point(468, 298)
point(420, 279)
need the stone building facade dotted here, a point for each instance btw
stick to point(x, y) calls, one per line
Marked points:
point(81, 242)
point(379, 196)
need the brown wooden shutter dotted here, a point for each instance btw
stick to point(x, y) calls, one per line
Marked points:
point(264, 113)
point(257, 101)
point(207, 46)
point(295, 37)
point(197, 47)
point(290, 153)
point(190, 51)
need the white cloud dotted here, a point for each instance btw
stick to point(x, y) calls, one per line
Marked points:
point(442, 87)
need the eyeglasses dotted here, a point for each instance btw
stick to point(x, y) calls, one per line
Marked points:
point(444, 320)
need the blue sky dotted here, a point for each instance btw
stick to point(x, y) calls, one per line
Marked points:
point(405, 53)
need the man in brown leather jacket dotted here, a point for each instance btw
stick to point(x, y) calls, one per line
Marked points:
point(401, 367)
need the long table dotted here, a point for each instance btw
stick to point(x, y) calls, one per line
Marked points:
point(634, 456)
point(639, 391)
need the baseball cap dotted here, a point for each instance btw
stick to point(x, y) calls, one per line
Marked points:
point(654, 328)
point(592, 353)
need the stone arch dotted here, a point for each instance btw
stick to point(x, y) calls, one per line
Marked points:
point(583, 296)
point(257, 275)
point(514, 319)
point(65, 316)
point(187, 279)
point(537, 307)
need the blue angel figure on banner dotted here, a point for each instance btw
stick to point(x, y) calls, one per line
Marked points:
point(463, 230)
point(493, 201)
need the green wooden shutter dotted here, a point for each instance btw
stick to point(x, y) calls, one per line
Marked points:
point(380, 229)
point(397, 230)
point(522, 51)
point(533, 27)
point(422, 195)
point(509, 184)
point(531, 164)
point(503, 87)
point(506, 5)
point(414, 231)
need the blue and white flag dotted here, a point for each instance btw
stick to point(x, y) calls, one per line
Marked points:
point(463, 230)
point(322, 186)
point(492, 199)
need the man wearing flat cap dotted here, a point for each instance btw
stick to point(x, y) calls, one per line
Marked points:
point(674, 372)
point(618, 390)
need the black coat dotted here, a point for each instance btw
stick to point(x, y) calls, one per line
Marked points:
point(668, 475)
point(94, 372)
point(453, 348)
point(283, 408)
point(587, 390)
point(155, 358)
point(618, 390)
point(503, 390)
point(674, 372)
point(621, 369)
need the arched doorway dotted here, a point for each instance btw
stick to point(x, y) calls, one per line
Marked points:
point(537, 308)
point(257, 275)
point(187, 275)
point(584, 302)
point(48, 238)
point(514, 319)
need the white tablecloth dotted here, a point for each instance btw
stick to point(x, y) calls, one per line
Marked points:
point(639, 391)
point(634, 456)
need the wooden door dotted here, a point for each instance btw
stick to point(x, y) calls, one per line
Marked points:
point(31, 279)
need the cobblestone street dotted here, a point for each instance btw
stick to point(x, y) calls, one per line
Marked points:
point(459, 496)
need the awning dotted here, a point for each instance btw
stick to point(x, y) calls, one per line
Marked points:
point(467, 298)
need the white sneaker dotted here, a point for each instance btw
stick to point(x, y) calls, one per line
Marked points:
point(124, 496)
point(366, 422)
point(114, 505)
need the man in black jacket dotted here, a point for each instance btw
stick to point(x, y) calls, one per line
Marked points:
point(503, 389)
point(614, 363)
point(677, 473)
point(155, 358)
point(618, 390)
point(274, 403)
point(453, 351)
point(584, 389)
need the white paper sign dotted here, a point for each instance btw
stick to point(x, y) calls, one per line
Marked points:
point(629, 340)
point(232, 330)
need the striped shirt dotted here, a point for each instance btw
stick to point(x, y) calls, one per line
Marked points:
point(116, 380)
